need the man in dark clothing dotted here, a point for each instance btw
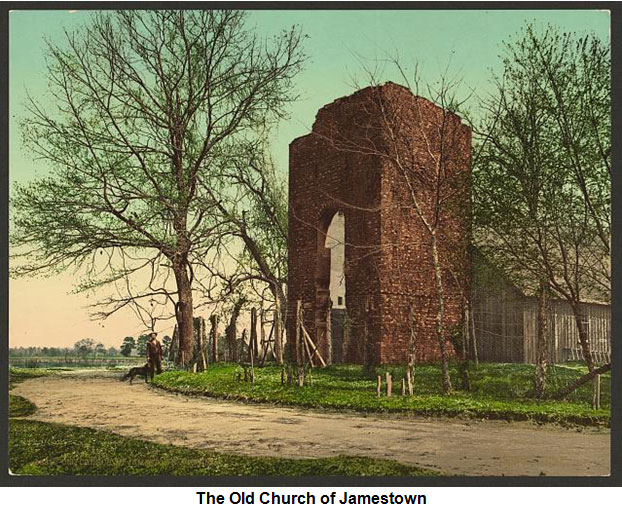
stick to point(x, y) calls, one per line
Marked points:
point(154, 354)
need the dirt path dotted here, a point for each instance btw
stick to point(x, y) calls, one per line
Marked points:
point(467, 447)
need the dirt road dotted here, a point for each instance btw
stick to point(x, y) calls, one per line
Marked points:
point(466, 447)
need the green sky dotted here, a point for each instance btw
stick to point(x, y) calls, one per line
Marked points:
point(468, 40)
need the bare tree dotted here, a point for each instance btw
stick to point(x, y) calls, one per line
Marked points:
point(252, 249)
point(146, 106)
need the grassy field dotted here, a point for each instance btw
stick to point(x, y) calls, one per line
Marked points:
point(48, 362)
point(498, 391)
point(40, 448)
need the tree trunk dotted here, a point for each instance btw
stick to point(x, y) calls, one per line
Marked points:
point(412, 350)
point(231, 331)
point(463, 348)
point(473, 336)
point(183, 312)
point(577, 310)
point(367, 337)
point(440, 318)
point(580, 381)
point(543, 339)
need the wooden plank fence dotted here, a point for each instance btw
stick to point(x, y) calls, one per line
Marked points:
point(506, 329)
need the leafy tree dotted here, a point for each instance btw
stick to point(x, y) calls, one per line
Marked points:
point(145, 107)
point(166, 345)
point(84, 347)
point(542, 181)
point(128, 344)
point(141, 344)
point(100, 350)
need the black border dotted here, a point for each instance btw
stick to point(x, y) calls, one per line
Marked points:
point(338, 481)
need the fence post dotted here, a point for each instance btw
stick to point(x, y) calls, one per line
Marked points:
point(298, 330)
point(214, 319)
point(253, 338)
point(389, 384)
point(596, 392)
point(278, 349)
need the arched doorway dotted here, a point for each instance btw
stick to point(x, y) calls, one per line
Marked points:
point(330, 285)
point(337, 317)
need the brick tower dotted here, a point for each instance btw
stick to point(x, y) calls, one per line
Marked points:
point(396, 166)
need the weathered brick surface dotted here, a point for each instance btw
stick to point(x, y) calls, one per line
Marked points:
point(375, 156)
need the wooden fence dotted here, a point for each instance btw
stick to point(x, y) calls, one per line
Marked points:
point(506, 329)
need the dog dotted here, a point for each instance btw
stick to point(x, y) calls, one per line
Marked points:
point(144, 371)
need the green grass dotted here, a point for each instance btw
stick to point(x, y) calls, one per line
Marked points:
point(20, 407)
point(498, 391)
point(39, 448)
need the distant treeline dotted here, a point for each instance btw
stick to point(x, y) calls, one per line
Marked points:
point(22, 352)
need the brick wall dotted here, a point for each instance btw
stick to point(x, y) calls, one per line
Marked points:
point(374, 156)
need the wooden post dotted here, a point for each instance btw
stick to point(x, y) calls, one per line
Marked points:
point(389, 384)
point(298, 330)
point(278, 347)
point(198, 362)
point(403, 387)
point(379, 385)
point(301, 376)
point(205, 342)
point(313, 348)
point(596, 393)
point(307, 352)
point(262, 332)
point(214, 321)
point(366, 351)
point(282, 376)
point(240, 352)
point(412, 349)
point(253, 339)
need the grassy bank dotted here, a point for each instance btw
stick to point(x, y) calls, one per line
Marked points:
point(17, 375)
point(20, 407)
point(41, 448)
point(498, 391)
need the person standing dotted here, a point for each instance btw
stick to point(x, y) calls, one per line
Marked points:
point(154, 354)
